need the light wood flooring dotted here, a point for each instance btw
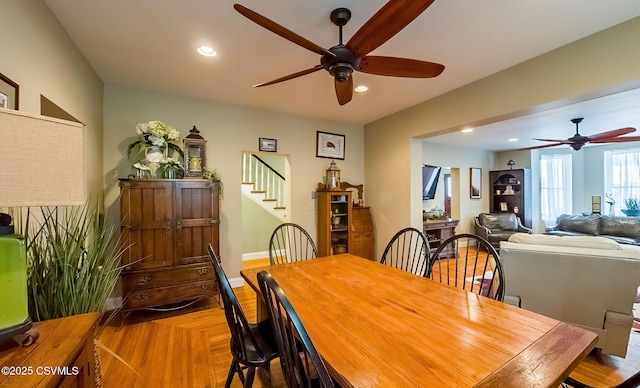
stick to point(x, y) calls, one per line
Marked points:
point(190, 348)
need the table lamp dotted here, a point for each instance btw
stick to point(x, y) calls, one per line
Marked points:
point(42, 165)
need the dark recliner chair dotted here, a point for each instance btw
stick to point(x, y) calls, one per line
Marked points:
point(496, 227)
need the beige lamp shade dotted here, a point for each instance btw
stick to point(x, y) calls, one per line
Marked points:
point(41, 161)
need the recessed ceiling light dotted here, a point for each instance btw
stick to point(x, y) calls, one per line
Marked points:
point(513, 139)
point(207, 51)
point(467, 130)
point(361, 88)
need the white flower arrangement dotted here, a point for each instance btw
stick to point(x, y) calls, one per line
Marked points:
point(155, 133)
point(171, 163)
point(141, 166)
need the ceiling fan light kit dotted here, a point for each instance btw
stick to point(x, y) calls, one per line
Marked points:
point(577, 141)
point(341, 60)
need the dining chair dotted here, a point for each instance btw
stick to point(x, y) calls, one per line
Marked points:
point(407, 250)
point(631, 382)
point(301, 364)
point(469, 262)
point(290, 242)
point(252, 345)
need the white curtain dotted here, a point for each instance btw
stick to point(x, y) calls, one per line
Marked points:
point(622, 176)
point(555, 187)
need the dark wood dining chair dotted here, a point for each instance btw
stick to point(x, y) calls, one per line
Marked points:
point(407, 250)
point(631, 382)
point(290, 242)
point(252, 345)
point(469, 262)
point(301, 364)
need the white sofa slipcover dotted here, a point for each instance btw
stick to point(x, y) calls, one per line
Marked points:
point(593, 288)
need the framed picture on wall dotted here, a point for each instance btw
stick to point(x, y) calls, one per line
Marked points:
point(267, 145)
point(9, 93)
point(476, 182)
point(330, 145)
point(504, 207)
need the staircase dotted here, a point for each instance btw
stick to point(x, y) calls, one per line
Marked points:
point(263, 185)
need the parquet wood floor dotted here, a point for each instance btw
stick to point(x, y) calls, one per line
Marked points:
point(168, 349)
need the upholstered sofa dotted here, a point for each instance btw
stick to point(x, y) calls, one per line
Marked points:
point(496, 227)
point(624, 230)
point(587, 281)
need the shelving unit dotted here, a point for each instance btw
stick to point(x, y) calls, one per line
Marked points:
point(511, 193)
point(334, 236)
point(437, 231)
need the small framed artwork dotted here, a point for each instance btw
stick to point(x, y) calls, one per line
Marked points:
point(267, 145)
point(330, 145)
point(9, 93)
point(476, 182)
point(504, 207)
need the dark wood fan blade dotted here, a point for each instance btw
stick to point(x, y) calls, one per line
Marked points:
point(279, 30)
point(344, 90)
point(565, 141)
point(388, 21)
point(290, 76)
point(617, 139)
point(609, 134)
point(400, 67)
point(541, 146)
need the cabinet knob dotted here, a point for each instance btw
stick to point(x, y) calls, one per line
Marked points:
point(168, 226)
point(203, 287)
point(179, 224)
point(143, 296)
point(203, 271)
point(144, 280)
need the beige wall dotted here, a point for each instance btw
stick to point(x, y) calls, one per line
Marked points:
point(599, 64)
point(38, 55)
point(228, 130)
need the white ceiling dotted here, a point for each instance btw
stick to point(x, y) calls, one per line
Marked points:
point(151, 44)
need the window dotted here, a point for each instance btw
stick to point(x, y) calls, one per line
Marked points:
point(555, 187)
point(622, 175)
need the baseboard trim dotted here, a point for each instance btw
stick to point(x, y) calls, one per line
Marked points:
point(236, 282)
point(255, 255)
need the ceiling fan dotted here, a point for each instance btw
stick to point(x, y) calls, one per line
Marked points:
point(342, 60)
point(577, 141)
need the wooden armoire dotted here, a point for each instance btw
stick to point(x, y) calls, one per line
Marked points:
point(168, 224)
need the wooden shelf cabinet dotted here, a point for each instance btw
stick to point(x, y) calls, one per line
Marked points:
point(437, 231)
point(334, 236)
point(511, 193)
point(168, 224)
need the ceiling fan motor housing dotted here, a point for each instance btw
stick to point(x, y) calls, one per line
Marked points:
point(343, 64)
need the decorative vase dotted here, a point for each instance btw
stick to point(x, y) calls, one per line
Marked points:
point(631, 212)
point(154, 155)
point(170, 173)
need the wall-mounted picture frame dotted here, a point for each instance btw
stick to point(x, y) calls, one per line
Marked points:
point(9, 93)
point(475, 188)
point(267, 145)
point(330, 145)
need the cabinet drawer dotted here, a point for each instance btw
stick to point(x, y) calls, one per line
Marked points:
point(171, 294)
point(362, 235)
point(142, 280)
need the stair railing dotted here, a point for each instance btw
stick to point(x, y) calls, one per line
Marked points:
point(264, 178)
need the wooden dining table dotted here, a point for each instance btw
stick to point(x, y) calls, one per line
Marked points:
point(377, 326)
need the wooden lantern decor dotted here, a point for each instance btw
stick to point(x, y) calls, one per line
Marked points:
point(195, 154)
point(332, 181)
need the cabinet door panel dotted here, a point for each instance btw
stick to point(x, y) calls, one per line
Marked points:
point(147, 213)
point(197, 221)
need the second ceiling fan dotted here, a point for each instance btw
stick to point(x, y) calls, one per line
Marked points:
point(577, 141)
point(342, 60)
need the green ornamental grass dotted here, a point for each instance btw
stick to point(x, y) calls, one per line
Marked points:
point(73, 260)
